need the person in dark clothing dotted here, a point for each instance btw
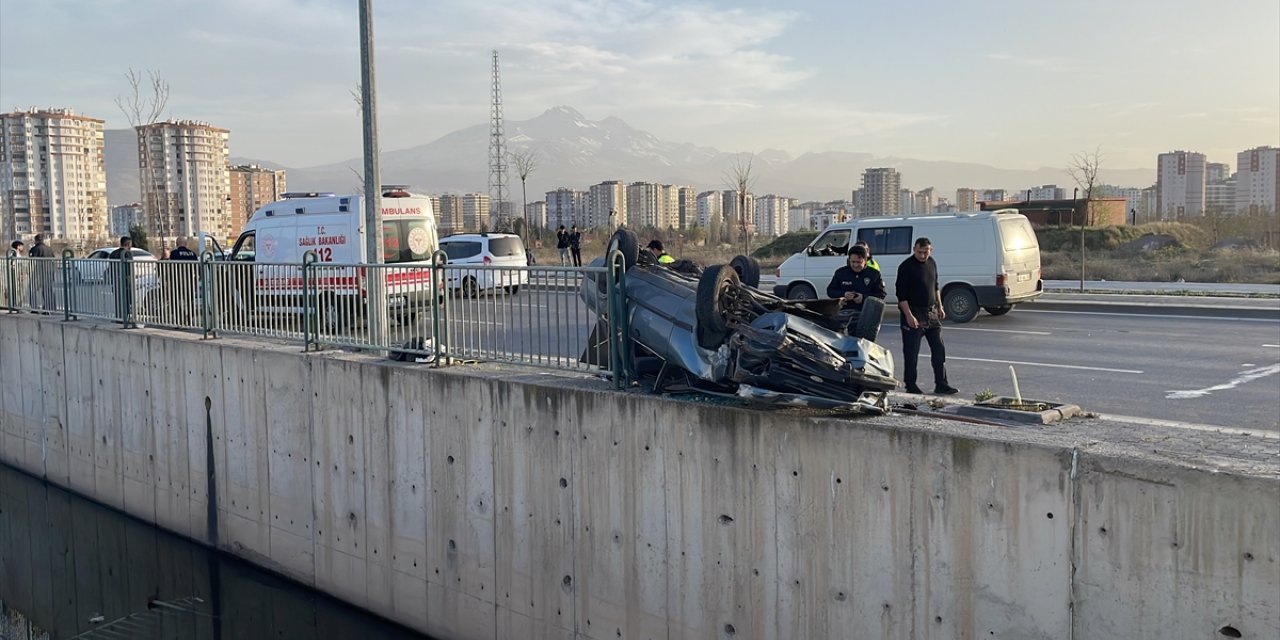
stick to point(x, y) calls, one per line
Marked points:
point(920, 302)
point(119, 283)
point(575, 245)
point(562, 243)
point(871, 260)
point(853, 283)
point(180, 280)
point(40, 292)
point(181, 252)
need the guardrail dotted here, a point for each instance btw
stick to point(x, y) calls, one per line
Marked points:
point(437, 312)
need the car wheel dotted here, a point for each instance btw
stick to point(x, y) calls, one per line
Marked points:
point(470, 288)
point(748, 269)
point(960, 303)
point(716, 303)
point(624, 240)
point(802, 291)
point(868, 325)
point(1000, 310)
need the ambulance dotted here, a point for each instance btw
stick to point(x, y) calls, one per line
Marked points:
point(279, 235)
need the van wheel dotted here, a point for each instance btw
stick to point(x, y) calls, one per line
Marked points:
point(802, 291)
point(960, 304)
point(999, 311)
point(868, 324)
point(470, 288)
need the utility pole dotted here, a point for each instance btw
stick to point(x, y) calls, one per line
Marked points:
point(376, 278)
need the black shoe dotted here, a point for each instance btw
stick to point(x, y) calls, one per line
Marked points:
point(911, 388)
point(946, 390)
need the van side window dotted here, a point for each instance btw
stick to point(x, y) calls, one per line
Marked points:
point(832, 243)
point(887, 240)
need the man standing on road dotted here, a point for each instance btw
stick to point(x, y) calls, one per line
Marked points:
point(42, 275)
point(871, 262)
point(921, 305)
point(180, 280)
point(18, 283)
point(562, 243)
point(852, 283)
point(575, 245)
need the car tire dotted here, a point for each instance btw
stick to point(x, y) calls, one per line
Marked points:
point(513, 289)
point(960, 304)
point(802, 291)
point(714, 305)
point(868, 325)
point(470, 288)
point(624, 240)
point(1000, 310)
point(748, 269)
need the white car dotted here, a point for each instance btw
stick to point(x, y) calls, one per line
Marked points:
point(94, 269)
point(493, 250)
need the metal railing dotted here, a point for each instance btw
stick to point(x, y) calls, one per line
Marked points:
point(439, 312)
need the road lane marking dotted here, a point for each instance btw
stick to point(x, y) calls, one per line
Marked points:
point(1157, 422)
point(1032, 333)
point(1273, 346)
point(1046, 364)
point(1150, 316)
point(1248, 375)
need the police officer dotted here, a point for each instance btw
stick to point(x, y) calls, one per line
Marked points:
point(660, 254)
point(871, 261)
point(853, 283)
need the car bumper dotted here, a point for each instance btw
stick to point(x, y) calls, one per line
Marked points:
point(993, 296)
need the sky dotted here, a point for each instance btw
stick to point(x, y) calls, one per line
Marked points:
point(1010, 83)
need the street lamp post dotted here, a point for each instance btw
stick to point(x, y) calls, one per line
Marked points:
point(376, 278)
point(1075, 197)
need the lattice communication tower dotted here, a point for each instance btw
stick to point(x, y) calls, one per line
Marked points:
point(497, 149)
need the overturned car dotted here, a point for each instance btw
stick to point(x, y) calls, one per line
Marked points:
point(716, 333)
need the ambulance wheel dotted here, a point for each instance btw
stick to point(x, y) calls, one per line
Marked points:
point(335, 315)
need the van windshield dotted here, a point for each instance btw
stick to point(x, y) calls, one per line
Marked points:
point(407, 241)
point(1017, 234)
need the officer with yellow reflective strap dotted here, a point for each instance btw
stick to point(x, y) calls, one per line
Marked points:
point(660, 254)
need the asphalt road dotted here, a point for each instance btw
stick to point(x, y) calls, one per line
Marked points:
point(1204, 370)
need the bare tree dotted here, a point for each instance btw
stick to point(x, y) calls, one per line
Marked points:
point(741, 180)
point(143, 106)
point(1084, 170)
point(526, 162)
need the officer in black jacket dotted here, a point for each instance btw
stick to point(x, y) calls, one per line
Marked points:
point(852, 283)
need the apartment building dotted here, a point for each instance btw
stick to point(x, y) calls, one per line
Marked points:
point(251, 187)
point(906, 202)
point(53, 175)
point(535, 214)
point(1045, 192)
point(992, 195)
point(475, 211)
point(123, 217)
point(730, 205)
point(967, 199)
point(1180, 180)
point(1216, 172)
point(186, 185)
point(770, 214)
point(449, 213)
point(566, 207)
point(710, 207)
point(924, 201)
point(1258, 180)
point(606, 204)
point(686, 207)
point(881, 188)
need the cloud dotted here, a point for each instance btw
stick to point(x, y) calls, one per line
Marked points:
point(1046, 64)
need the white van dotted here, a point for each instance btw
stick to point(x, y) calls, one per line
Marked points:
point(278, 236)
point(986, 259)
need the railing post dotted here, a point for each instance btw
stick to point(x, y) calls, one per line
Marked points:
point(439, 319)
point(310, 313)
point(11, 280)
point(206, 294)
point(67, 305)
point(619, 331)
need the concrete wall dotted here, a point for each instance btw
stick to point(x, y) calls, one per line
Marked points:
point(510, 506)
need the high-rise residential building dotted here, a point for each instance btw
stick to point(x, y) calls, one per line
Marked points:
point(710, 207)
point(993, 195)
point(606, 204)
point(924, 201)
point(1216, 172)
point(906, 202)
point(1045, 192)
point(1148, 207)
point(729, 203)
point(185, 182)
point(123, 217)
point(536, 214)
point(1220, 197)
point(1132, 198)
point(966, 199)
point(1180, 178)
point(687, 207)
point(646, 205)
point(252, 187)
point(475, 211)
point(854, 198)
point(880, 190)
point(566, 207)
point(53, 173)
point(770, 214)
point(1258, 180)
point(449, 214)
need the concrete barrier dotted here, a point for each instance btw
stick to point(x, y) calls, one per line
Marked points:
point(485, 503)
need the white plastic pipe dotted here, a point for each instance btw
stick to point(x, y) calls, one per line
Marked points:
point(1017, 393)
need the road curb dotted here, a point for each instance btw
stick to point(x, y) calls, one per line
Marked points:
point(1150, 308)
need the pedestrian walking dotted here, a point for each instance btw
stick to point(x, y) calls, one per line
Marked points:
point(562, 243)
point(575, 245)
point(920, 302)
point(41, 287)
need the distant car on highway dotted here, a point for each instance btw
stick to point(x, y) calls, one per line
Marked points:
point(94, 268)
point(489, 250)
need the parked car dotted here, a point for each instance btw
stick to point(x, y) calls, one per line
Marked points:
point(713, 333)
point(95, 268)
point(488, 250)
point(986, 259)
